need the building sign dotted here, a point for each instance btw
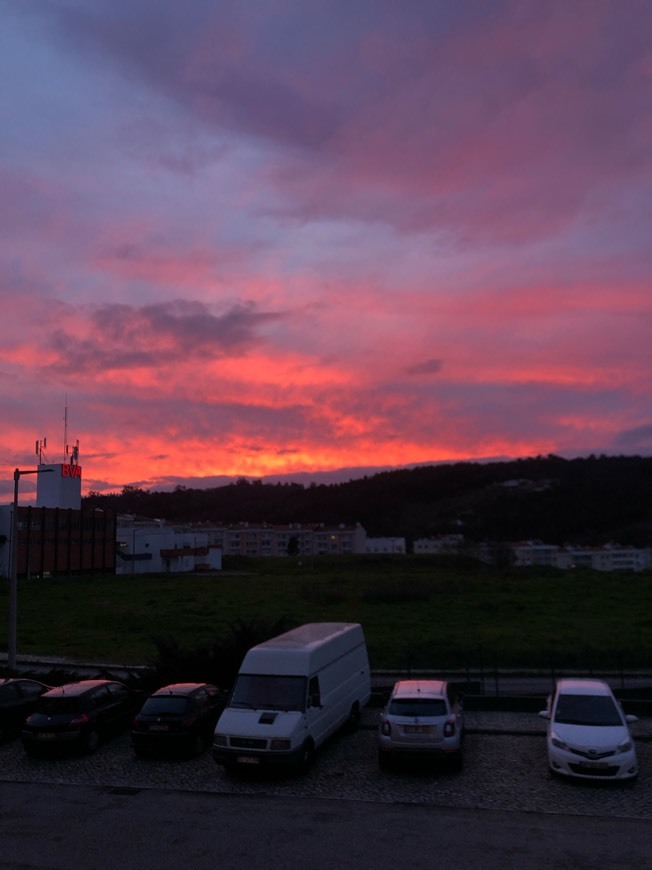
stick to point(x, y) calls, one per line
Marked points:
point(71, 471)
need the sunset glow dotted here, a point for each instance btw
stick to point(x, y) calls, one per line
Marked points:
point(290, 238)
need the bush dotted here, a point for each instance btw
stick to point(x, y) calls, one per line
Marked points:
point(217, 662)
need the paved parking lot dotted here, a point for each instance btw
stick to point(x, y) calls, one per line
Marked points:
point(505, 769)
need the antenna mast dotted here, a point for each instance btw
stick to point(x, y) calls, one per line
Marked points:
point(40, 447)
point(65, 429)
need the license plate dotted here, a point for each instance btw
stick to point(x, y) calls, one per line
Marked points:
point(247, 759)
point(45, 735)
point(417, 729)
point(594, 765)
point(159, 728)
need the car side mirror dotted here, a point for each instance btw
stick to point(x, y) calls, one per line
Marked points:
point(631, 718)
point(544, 714)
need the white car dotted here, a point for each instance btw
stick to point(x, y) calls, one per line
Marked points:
point(421, 721)
point(588, 734)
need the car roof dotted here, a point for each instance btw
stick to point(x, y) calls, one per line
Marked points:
point(79, 688)
point(181, 689)
point(582, 687)
point(4, 681)
point(426, 688)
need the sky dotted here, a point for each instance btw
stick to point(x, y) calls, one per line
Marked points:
point(288, 237)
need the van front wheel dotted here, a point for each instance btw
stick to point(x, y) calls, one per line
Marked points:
point(306, 757)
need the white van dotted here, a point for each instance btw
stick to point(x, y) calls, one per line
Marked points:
point(292, 692)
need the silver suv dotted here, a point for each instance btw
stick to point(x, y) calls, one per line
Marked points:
point(421, 720)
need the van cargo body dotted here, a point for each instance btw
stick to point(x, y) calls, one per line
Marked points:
point(292, 693)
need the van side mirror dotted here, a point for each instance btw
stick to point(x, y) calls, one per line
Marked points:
point(314, 700)
point(544, 714)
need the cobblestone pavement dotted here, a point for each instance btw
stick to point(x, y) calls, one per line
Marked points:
point(504, 769)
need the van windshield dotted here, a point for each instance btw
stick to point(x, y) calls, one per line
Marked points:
point(267, 692)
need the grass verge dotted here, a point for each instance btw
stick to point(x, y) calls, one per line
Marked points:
point(416, 612)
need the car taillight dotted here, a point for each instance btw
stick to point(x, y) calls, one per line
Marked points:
point(79, 720)
point(385, 728)
point(449, 729)
point(137, 723)
point(189, 722)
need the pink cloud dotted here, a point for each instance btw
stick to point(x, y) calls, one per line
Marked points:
point(283, 239)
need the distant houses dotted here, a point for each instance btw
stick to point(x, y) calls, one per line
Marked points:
point(524, 554)
point(146, 545)
point(58, 540)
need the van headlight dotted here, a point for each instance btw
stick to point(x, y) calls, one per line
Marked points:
point(219, 740)
point(279, 745)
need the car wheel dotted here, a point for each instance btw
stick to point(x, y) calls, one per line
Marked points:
point(91, 741)
point(198, 745)
point(306, 757)
point(384, 761)
point(457, 761)
point(354, 718)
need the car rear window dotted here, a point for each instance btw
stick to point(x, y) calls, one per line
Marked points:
point(165, 705)
point(418, 707)
point(58, 706)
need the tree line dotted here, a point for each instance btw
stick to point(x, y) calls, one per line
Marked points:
point(586, 501)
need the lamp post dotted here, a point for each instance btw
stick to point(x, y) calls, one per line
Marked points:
point(13, 570)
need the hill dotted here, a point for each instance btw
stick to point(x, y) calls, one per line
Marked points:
point(581, 501)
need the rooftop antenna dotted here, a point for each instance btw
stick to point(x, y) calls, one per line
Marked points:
point(40, 447)
point(74, 453)
point(65, 429)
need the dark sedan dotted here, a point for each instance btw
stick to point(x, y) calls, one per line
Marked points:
point(178, 718)
point(18, 699)
point(78, 716)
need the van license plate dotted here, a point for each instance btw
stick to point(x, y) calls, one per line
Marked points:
point(248, 759)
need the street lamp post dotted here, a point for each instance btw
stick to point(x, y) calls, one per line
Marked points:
point(13, 570)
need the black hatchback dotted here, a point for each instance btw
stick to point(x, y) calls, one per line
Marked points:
point(18, 698)
point(178, 718)
point(78, 716)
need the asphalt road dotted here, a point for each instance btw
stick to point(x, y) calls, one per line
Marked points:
point(59, 827)
point(503, 810)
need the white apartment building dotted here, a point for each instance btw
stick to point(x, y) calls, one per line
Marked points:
point(610, 557)
point(300, 539)
point(441, 544)
point(386, 545)
point(607, 558)
point(150, 546)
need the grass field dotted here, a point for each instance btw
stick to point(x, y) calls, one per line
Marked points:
point(420, 613)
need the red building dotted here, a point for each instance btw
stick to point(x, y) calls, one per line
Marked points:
point(65, 541)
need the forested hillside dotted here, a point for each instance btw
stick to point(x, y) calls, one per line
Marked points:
point(583, 501)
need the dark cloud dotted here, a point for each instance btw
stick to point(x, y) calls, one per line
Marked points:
point(125, 337)
point(638, 438)
point(427, 367)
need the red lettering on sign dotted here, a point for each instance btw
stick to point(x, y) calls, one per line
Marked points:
point(71, 471)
